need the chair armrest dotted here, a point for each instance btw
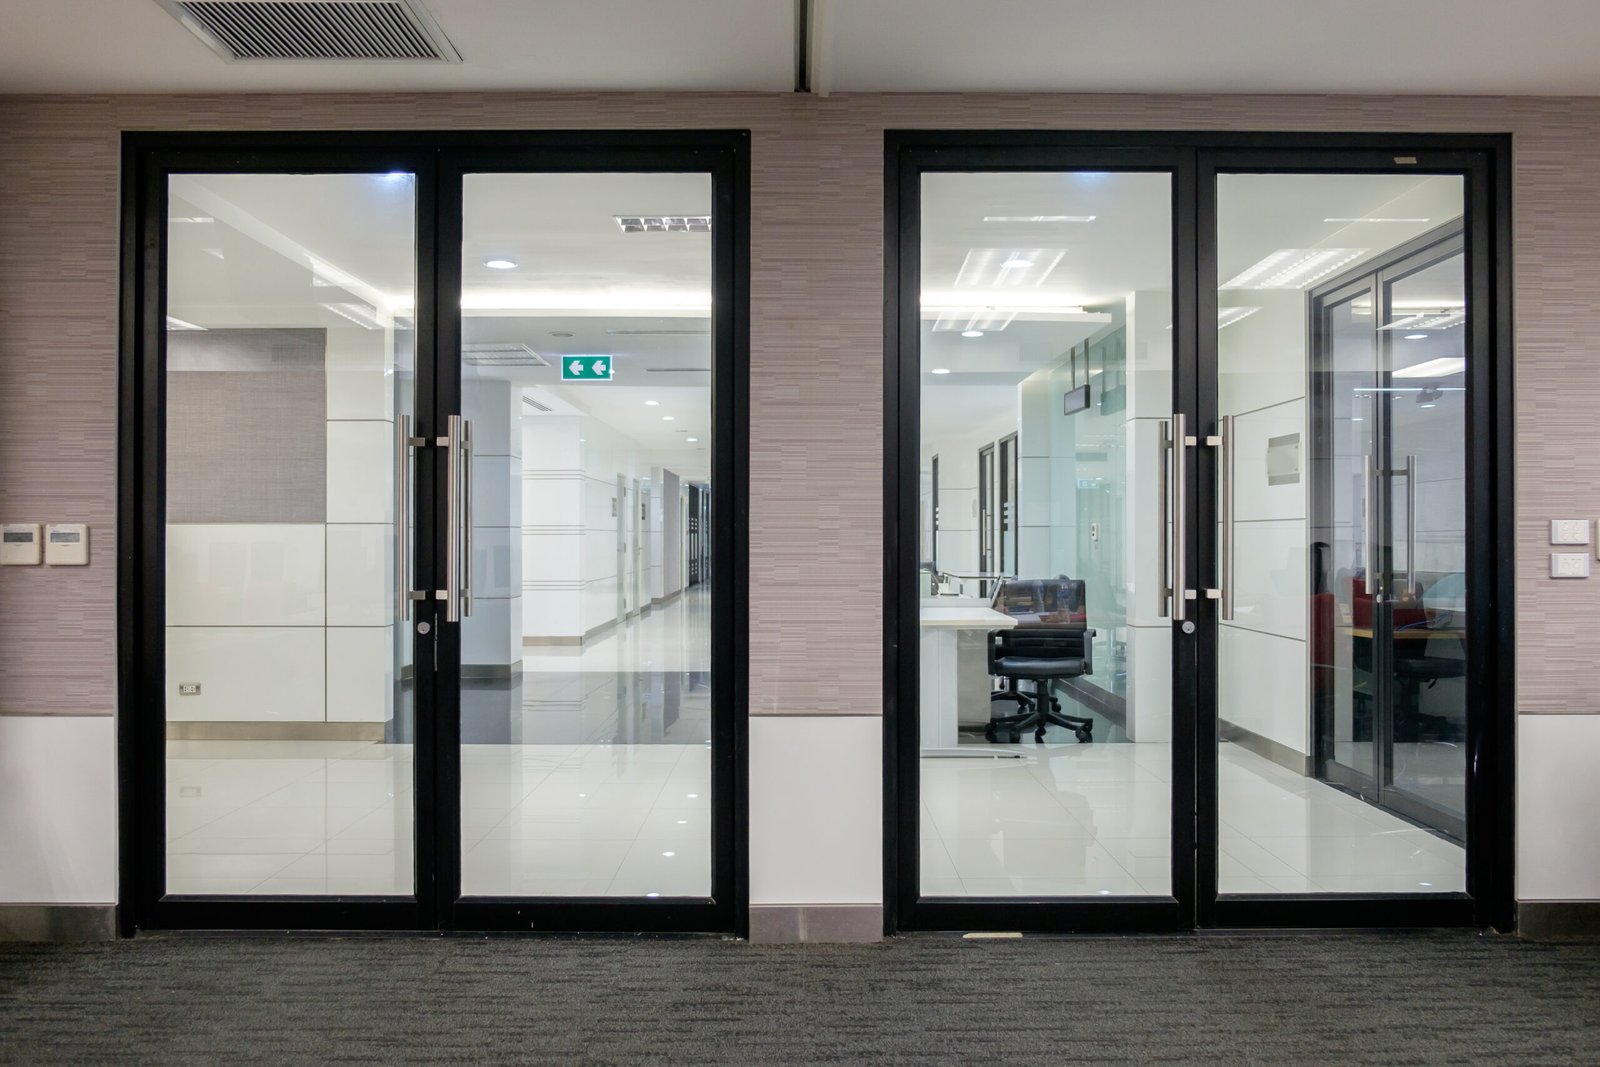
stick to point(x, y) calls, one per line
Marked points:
point(1088, 651)
point(990, 644)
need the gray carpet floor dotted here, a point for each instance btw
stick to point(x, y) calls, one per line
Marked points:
point(1330, 998)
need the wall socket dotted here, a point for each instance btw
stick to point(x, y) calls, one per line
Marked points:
point(1569, 531)
point(1569, 564)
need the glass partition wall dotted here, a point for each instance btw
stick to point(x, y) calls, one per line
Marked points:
point(1208, 516)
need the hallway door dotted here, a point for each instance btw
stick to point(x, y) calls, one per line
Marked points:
point(392, 407)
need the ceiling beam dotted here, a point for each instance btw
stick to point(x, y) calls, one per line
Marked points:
point(814, 46)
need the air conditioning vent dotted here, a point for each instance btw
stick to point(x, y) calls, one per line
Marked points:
point(535, 405)
point(502, 355)
point(316, 29)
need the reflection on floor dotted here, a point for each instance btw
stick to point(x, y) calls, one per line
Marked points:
point(1094, 820)
point(586, 775)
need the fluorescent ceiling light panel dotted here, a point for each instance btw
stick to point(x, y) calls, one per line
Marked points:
point(1007, 268)
point(1228, 316)
point(972, 320)
point(364, 315)
point(509, 354)
point(663, 223)
point(1441, 319)
point(1038, 218)
point(1434, 368)
point(1293, 268)
point(1375, 219)
point(579, 301)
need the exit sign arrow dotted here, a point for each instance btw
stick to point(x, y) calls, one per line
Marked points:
point(586, 368)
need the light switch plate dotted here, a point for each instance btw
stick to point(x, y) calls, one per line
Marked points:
point(1569, 531)
point(1569, 564)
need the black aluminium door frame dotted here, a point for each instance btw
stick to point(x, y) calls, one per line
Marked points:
point(147, 160)
point(1484, 160)
point(908, 155)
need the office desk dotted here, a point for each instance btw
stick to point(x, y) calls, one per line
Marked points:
point(955, 669)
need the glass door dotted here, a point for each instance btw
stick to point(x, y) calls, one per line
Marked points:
point(1340, 361)
point(593, 753)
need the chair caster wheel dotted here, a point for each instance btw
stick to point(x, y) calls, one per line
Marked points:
point(989, 734)
point(1038, 737)
point(1083, 735)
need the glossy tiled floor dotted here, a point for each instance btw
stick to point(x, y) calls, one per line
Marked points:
point(1094, 820)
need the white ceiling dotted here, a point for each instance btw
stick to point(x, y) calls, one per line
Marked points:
point(1252, 46)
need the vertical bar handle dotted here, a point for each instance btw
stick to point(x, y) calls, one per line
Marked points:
point(466, 517)
point(1225, 457)
point(1411, 525)
point(402, 518)
point(1164, 586)
point(1180, 509)
point(451, 594)
point(1368, 546)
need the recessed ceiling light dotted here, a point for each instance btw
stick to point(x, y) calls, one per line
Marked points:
point(1434, 368)
point(1293, 268)
point(692, 440)
point(500, 264)
point(652, 403)
point(663, 223)
point(669, 853)
point(1016, 263)
point(1038, 218)
point(668, 418)
point(1008, 268)
point(941, 370)
point(1416, 337)
point(971, 333)
point(1375, 219)
point(652, 896)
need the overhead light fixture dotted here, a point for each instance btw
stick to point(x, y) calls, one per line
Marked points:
point(1375, 219)
point(1293, 268)
point(1432, 319)
point(663, 223)
point(971, 333)
point(176, 324)
point(1038, 218)
point(692, 440)
point(191, 219)
point(941, 370)
point(1228, 316)
point(668, 418)
point(1416, 337)
point(1434, 368)
point(496, 354)
point(364, 315)
point(574, 302)
point(652, 403)
point(1009, 268)
point(500, 264)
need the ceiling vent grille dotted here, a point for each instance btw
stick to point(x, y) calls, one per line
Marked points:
point(501, 355)
point(394, 30)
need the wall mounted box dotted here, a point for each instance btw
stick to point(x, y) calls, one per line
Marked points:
point(66, 544)
point(19, 544)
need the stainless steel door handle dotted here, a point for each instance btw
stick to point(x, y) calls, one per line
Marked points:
point(402, 516)
point(1225, 451)
point(466, 517)
point(1411, 525)
point(451, 593)
point(1163, 537)
point(1181, 593)
point(1370, 582)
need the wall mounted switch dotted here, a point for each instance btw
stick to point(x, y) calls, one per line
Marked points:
point(20, 544)
point(1569, 564)
point(1569, 531)
point(66, 544)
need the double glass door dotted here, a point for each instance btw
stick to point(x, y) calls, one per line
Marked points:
point(438, 642)
point(1225, 675)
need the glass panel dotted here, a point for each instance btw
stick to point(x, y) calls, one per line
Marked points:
point(1046, 314)
point(289, 356)
point(1339, 673)
point(586, 691)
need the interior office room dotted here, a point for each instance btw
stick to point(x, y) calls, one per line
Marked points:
point(618, 529)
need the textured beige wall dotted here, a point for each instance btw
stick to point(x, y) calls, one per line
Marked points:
point(816, 379)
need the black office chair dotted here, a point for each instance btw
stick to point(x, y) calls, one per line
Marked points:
point(1039, 654)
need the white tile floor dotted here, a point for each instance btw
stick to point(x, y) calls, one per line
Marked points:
point(1093, 820)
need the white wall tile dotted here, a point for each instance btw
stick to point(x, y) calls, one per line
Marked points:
point(360, 374)
point(361, 464)
point(552, 613)
point(360, 574)
point(246, 673)
point(1262, 358)
point(58, 809)
point(1254, 498)
point(497, 561)
point(245, 575)
point(1149, 705)
point(1558, 792)
point(360, 673)
point(491, 635)
point(816, 838)
point(1261, 685)
point(1269, 576)
point(496, 490)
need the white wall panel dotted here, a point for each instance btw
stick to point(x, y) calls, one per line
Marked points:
point(245, 575)
point(1269, 576)
point(359, 370)
point(246, 673)
point(361, 472)
point(360, 673)
point(1558, 794)
point(1261, 685)
point(816, 838)
point(58, 809)
point(360, 574)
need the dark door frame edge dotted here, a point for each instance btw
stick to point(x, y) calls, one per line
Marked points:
point(1491, 871)
point(146, 158)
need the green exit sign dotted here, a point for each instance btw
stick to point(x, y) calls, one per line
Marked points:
point(586, 368)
